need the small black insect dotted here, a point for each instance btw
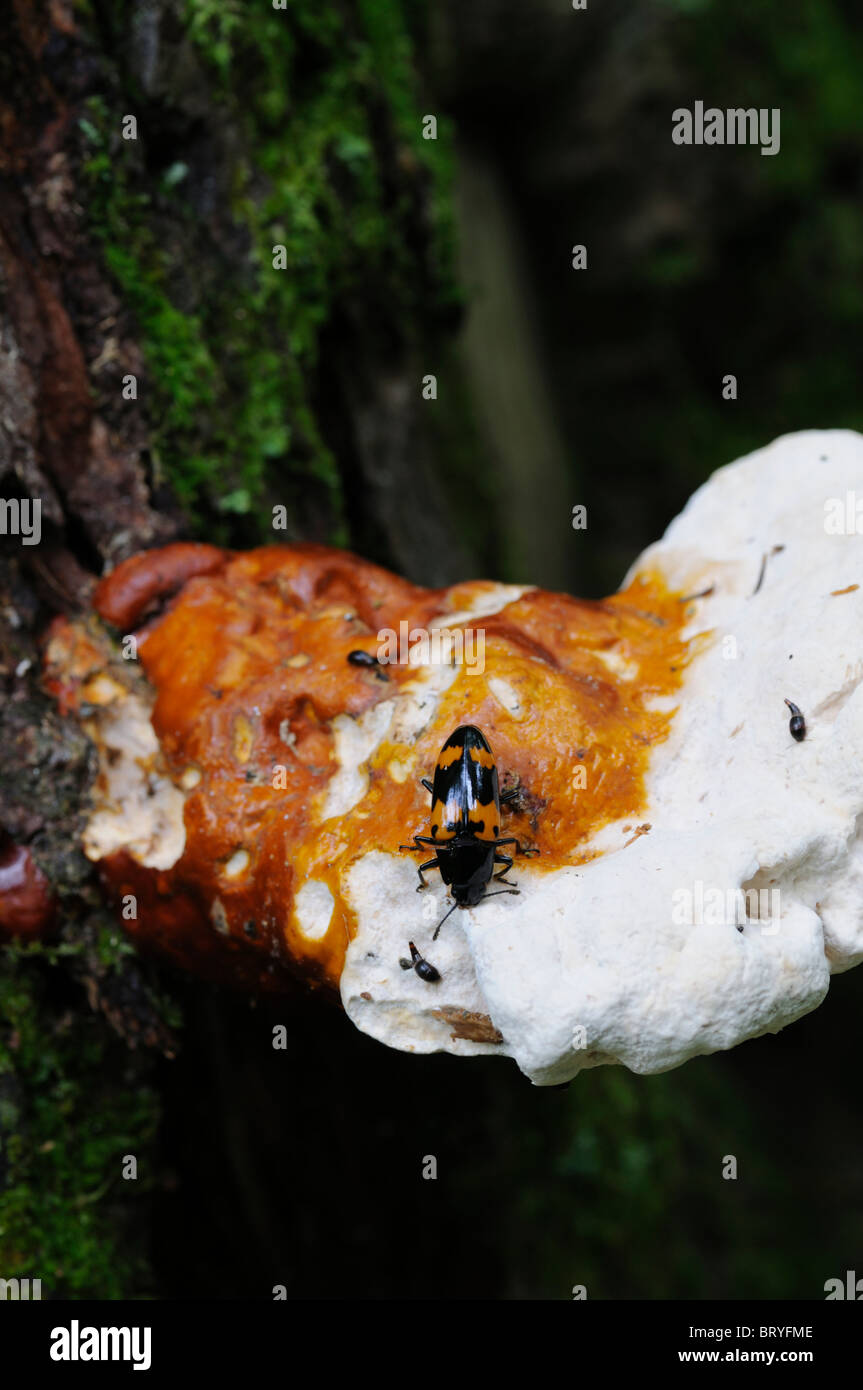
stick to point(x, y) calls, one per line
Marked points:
point(796, 724)
point(465, 820)
point(360, 658)
point(424, 970)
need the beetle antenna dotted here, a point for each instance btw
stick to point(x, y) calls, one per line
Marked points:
point(497, 894)
point(443, 919)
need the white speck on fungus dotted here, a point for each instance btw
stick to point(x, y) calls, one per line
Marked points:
point(313, 909)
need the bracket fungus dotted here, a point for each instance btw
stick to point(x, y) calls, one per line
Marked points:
point(700, 870)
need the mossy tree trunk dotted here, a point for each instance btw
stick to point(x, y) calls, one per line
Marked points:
point(164, 373)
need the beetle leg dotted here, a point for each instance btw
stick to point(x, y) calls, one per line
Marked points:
point(427, 784)
point(419, 841)
point(511, 840)
point(511, 795)
point(507, 865)
point(429, 864)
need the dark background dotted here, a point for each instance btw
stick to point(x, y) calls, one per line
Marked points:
point(555, 387)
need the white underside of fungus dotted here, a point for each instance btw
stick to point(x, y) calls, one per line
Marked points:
point(636, 957)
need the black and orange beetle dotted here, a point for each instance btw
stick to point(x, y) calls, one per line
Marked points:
point(465, 820)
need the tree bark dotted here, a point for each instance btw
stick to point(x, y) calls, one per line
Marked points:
point(157, 381)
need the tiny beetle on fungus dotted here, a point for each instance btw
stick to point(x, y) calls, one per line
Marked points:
point(796, 724)
point(423, 969)
point(370, 662)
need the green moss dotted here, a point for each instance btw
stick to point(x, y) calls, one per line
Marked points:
point(324, 107)
point(73, 1102)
